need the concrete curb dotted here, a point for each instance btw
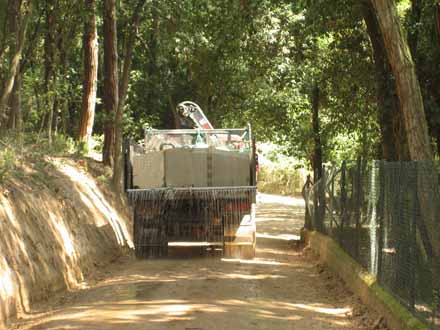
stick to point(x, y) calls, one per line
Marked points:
point(362, 283)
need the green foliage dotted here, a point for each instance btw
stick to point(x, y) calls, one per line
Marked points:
point(284, 180)
point(103, 179)
point(81, 149)
point(242, 61)
point(97, 143)
point(62, 145)
point(7, 163)
point(279, 174)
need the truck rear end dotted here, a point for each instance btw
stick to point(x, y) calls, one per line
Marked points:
point(193, 187)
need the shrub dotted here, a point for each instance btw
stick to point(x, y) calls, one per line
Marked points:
point(7, 163)
point(281, 179)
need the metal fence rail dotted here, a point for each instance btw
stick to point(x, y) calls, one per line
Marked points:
point(386, 215)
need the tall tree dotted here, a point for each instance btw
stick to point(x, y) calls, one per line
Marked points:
point(407, 84)
point(90, 83)
point(14, 120)
point(437, 21)
point(128, 56)
point(111, 88)
point(317, 148)
point(412, 107)
point(49, 64)
point(393, 139)
point(414, 21)
point(14, 67)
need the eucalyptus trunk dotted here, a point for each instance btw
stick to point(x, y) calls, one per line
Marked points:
point(437, 21)
point(407, 84)
point(49, 64)
point(14, 67)
point(90, 45)
point(393, 136)
point(411, 103)
point(317, 152)
point(14, 117)
point(111, 88)
point(118, 165)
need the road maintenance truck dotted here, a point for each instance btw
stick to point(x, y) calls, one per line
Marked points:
point(193, 186)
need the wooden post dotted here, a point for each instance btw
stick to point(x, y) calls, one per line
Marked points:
point(357, 211)
point(343, 199)
point(322, 201)
point(413, 247)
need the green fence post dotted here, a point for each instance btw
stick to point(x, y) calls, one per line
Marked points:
point(322, 201)
point(343, 199)
point(380, 218)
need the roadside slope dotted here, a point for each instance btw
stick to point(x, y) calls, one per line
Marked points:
point(58, 224)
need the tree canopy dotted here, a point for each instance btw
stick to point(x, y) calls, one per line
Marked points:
point(242, 61)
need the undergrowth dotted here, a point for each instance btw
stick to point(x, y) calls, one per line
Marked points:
point(7, 163)
point(35, 151)
point(280, 179)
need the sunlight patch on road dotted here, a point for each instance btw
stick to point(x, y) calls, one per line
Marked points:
point(339, 312)
point(154, 311)
point(254, 277)
point(283, 237)
point(285, 200)
point(278, 252)
point(280, 317)
point(256, 261)
point(232, 302)
point(283, 218)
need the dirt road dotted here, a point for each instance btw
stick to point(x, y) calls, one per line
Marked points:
point(281, 289)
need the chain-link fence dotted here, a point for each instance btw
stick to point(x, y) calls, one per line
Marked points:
point(386, 215)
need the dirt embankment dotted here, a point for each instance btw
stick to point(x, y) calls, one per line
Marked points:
point(58, 224)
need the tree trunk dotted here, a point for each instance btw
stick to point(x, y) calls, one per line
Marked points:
point(411, 103)
point(90, 83)
point(317, 152)
point(153, 40)
point(15, 114)
point(111, 88)
point(15, 97)
point(118, 166)
point(437, 20)
point(408, 88)
point(152, 72)
point(394, 146)
point(63, 46)
point(437, 139)
point(176, 117)
point(413, 31)
point(14, 67)
point(49, 59)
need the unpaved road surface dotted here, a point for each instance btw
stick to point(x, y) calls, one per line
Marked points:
point(283, 288)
